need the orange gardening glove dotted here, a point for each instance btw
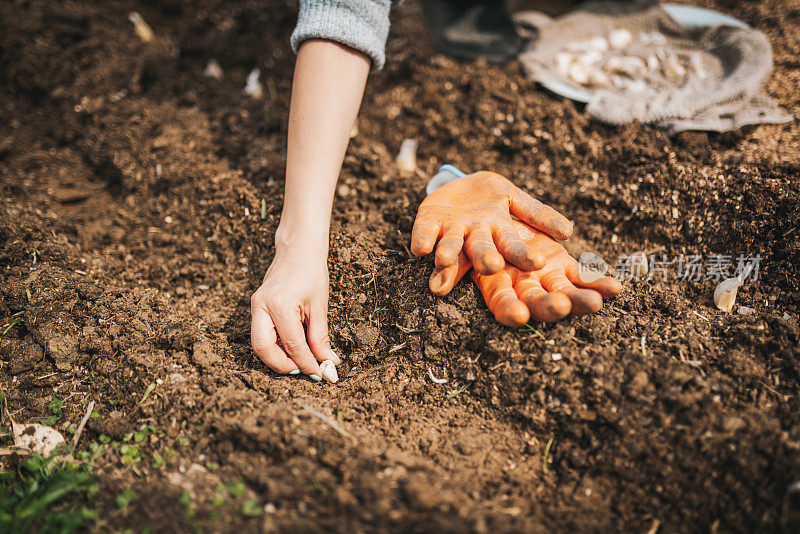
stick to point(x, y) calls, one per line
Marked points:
point(547, 294)
point(474, 214)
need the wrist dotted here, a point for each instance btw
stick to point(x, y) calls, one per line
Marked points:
point(308, 240)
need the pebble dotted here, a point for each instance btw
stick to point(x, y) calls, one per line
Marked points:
point(744, 310)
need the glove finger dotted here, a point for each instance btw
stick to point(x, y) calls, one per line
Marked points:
point(515, 250)
point(449, 247)
point(539, 215)
point(498, 293)
point(444, 279)
point(544, 306)
point(584, 301)
point(481, 251)
point(605, 285)
point(424, 234)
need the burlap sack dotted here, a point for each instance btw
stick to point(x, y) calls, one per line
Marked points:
point(724, 93)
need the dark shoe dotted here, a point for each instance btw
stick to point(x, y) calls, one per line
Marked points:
point(472, 29)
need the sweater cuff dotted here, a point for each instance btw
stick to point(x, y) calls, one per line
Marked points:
point(359, 24)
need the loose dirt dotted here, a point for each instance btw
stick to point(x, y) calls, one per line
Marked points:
point(132, 235)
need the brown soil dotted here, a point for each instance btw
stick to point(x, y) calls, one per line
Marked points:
point(131, 237)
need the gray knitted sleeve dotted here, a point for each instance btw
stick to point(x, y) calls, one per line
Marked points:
point(360, 24)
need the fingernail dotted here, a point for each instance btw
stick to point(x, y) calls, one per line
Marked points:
point(315, 378)
point(295, 372)
point(335, 358)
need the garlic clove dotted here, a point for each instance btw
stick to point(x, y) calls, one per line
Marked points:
point(578, 73)
point(673, 68)
point(620, 38)
point(563, 62)
point(725, 294)
point(598, 78)
point(407, 157)
point(141, 27)
point(329, 371)
point(213, 70)
point(253, 88)
point(599, 44)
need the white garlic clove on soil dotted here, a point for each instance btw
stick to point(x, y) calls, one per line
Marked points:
point(407, 157)
point(213, 70)
point(329, 371)
point(141, 27)
point(725, 294)
point(254, 89)
point(637, 265)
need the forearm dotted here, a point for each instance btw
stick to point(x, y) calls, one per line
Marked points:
point(327, 89)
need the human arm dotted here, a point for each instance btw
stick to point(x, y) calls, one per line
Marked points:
point(327, 89)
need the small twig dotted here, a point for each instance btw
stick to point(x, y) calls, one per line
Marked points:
point(470, 360)
point(46, 376)
point(405, 330)
point(82, 424)
point(21, 451)
point(329, 420)
point(779, 14)
point(397, 347)
point(644, 349)
point(703, 317)
point(403, 242)
point(653, 250)
point(783, 397)
point(547, 452)
point(655, 526)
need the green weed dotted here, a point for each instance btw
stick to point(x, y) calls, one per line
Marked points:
point(33, 497)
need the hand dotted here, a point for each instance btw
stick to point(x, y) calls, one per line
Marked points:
point(474, 214)
point(547, 294)
point(294, 293)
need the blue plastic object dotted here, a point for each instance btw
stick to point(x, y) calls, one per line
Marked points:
point(445, 175)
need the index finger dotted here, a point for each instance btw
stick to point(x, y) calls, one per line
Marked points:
point(264, 341)
point(293, 338)
point(539, 215)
